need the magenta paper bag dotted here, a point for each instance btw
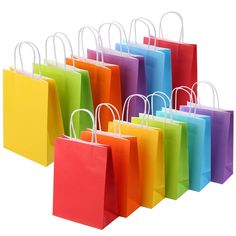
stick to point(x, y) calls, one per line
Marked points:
point(132, 74)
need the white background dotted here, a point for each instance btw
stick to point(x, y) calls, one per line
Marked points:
point(26, 188)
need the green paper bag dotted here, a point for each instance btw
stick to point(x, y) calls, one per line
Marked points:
point(74, 92)
point(175, 152)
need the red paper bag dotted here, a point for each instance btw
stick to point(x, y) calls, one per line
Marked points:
point(84, 189)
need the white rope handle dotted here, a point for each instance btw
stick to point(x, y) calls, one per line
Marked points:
point(175, 91)
point(55, 57)
point(98, 43)
point(214, 92)
point(121, 29)
point(72, 129)
point(20, 56)
point(133, 22)
point(164, 97)
point(146, 107)
point(191, 96)
point(128, 104)
point(181, 38)
point(145, 21)
point(70, 46)
point(81, 39)
point(34, 48)
point(112, 109)
point(109, 34)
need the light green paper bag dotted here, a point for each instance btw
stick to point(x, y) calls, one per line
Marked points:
point(175, 152)
point(74, 92)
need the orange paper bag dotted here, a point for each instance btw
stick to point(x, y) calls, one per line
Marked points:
point(125, 160)
point(105, 83)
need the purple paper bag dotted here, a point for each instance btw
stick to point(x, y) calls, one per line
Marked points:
point(132, 75)
point(221, 141)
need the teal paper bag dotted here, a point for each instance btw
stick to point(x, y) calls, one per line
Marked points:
point(199, 146)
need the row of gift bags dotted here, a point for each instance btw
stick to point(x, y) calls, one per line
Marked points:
point(148, 159)
point(106, 174)
point(105, 76)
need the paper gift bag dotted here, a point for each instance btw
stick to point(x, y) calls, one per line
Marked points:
point(157, 65)
point(73, 88)
point(132, 70)
point(151, 159)
point(199, 143)
point(84, 189)
point(105, 83)
point(199, 147)
point(176, 155)
point(221, 139)
point(183, 59)
point(175, 150)
point(31, 114)
point(125, 160)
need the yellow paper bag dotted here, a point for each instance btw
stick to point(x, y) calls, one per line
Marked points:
point(31, 116)
point(151, 160)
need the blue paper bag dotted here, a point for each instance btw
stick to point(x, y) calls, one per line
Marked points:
point(157, 66)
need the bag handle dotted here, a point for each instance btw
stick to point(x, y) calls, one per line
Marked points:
point(214, 93)
point(191, 96)
point(34, 49)
point(46, 50)
point(121, 30)
point(109, 33)
point(54, 37)
point(159, 96)
point(72, 129)
point(144, 21)
point(97, 41)
point(112, 109)
point(175, 91)
point(146, 107)
point(181, 37)
point(164, 97)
